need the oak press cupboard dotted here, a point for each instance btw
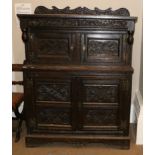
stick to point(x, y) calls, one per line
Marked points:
point(77, 75)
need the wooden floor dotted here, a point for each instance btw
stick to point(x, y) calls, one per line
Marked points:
point(71, 149)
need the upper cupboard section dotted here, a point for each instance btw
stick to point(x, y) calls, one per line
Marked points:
point(79, 36)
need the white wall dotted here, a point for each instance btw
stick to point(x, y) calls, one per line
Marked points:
point(134, 6)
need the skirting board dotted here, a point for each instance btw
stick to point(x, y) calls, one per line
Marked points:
point(138, 107)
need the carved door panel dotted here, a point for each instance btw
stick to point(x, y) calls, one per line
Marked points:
point(104, 48)
point(102, 103)
point(51, 47)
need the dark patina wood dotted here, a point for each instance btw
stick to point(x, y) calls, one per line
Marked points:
point(77, 75)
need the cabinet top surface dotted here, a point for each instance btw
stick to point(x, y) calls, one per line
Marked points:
point(74, 16)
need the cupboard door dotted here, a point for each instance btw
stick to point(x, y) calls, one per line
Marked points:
point(51, 107)
point(103, 106)
point(46, 46)
point(105, 48)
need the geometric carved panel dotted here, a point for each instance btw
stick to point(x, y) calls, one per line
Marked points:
point(53, 46)
point(100, 117)
point(52, 91)
point(103, 48)
point(57, 116)
point(101, 93)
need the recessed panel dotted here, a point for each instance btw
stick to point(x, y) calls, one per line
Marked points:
point(100, 117)
point(101, 93)
point(106, 48)
point(103, 48)
point(53, 47)
point(53, 91)
point(53, 118)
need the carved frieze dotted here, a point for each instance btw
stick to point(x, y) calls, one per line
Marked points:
point(70, 22)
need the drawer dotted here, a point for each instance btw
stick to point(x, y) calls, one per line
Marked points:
point(51, 47)
point(105, 48)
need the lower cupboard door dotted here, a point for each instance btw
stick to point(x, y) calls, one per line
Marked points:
point(105, 105)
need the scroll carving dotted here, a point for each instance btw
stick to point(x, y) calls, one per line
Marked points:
point(82, 11)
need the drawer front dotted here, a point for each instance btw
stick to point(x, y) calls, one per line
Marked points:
point(105, 48)
point(104, 105)
point(51, 47)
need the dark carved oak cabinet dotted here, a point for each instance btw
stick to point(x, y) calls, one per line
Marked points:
point(77, 75)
